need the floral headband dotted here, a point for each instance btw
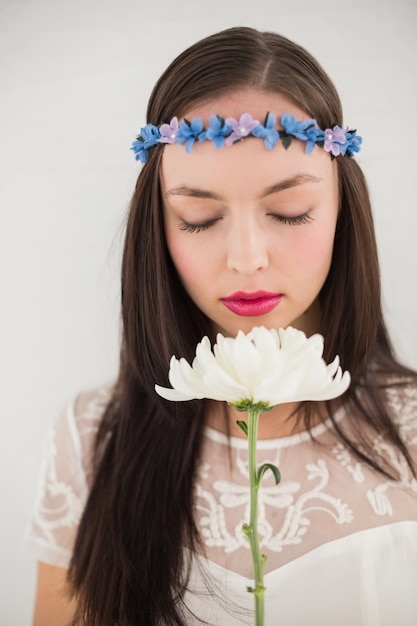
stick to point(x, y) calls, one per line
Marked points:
point(225, 132)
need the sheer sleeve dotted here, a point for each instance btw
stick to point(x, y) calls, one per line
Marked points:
point(65, 479)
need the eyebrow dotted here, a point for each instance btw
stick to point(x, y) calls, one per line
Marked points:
point(294, 181)
point(288, 183)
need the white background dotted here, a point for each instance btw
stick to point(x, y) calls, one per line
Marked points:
point(74, 79)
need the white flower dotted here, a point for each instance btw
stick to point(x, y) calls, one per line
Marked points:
point(263, 366)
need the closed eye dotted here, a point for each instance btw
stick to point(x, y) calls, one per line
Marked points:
point(197, 228)
point(295, 220)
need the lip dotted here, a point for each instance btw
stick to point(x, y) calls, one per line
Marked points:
point(252, 304)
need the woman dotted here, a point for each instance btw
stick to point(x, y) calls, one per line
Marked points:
point(224, 240)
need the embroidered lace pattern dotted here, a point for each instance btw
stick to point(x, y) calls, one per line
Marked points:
point(325, 493)
point(65, 479)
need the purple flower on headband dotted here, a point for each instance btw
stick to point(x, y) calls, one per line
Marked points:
point(240, 128)
point(267, 132)
point(169, 131)
point(188, 132)
point(335, 140)
point(147, 138)
point(216, 131)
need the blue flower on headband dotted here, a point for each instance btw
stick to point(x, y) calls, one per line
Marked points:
point(294, 128)
point(267, 132)
point(188, 132)
point(314, 136)
point(147, 138)
point(305, 130)
point(353, 143)
point(216, 131)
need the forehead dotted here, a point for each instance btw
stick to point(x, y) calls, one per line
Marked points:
point(248, 165)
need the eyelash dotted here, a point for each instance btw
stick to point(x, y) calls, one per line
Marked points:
point(292, 221)
point(297, 220)
point(197, 228)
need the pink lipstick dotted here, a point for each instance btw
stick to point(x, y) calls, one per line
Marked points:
point(252, 304)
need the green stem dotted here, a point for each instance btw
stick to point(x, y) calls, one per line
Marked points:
point(251, 529)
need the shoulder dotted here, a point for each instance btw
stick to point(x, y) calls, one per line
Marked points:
point(86, 410)
point(76, 428)
point(87, 407)
point(401, 397)
point(71, 442)
point(402, 404)
point(65, 478)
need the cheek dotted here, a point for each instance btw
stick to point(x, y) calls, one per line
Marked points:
point(188, 260)
point(313, 254)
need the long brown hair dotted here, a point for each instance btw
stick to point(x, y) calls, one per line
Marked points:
point(129, 565)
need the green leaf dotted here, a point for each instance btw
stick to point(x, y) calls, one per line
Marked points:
point(243, 426)
point(286, 142)
point(268, 466)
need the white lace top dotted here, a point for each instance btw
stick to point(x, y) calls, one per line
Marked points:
point(341, 539)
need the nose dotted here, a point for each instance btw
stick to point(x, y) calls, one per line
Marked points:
point(247, 251)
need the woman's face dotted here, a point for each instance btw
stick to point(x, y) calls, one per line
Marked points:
point(250, 231)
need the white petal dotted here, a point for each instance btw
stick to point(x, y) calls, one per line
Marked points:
point(264, 365)
point(284, 388)
point(204, 358)
point(186, 380)
point(224, 351)
point(248, 364)
point(220, 386)
point(171, 394)
point(333, 367)
point(267, 345)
